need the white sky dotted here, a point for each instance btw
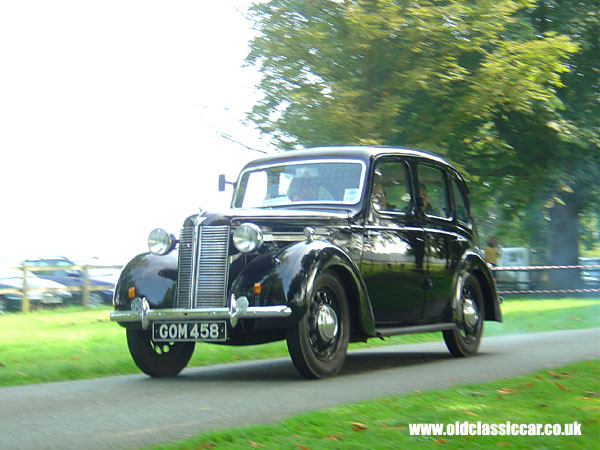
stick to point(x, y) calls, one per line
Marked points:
point(108, 111)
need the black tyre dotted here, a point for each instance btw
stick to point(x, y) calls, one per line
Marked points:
point(158, 359)
point(318, 343)
point(469, 315)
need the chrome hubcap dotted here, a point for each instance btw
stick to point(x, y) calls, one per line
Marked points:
point(327, 323)
point(470, 314)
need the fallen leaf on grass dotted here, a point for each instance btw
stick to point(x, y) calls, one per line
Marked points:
point(20, 373)
point(439, 441)
point(559, 375)
point(542, 405)
point(506, 391)
point(502, 444)
point(561, 386)
point(477, 394)
point(205, 445)
point(592, 393)
point(470, 413)
point(302, 447)
point(576, 319)
point(2, 365)
point(357, 426)
point(254, 444)
point(394, 427)
point(333, 437)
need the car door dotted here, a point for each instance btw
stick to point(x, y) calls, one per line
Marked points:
point(393, 262)
point(443, 242)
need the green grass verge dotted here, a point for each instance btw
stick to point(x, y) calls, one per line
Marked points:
point(73, 343)
point(558, 396)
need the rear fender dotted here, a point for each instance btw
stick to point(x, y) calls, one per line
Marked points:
point(473, 263)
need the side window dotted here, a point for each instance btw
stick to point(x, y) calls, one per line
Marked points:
point(460, 202)
point(433, 189)
point(391, 188)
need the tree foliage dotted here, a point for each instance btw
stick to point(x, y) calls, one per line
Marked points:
point(508, 89)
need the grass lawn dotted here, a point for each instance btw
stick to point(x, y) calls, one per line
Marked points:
point(558, 396)
point(73, 343)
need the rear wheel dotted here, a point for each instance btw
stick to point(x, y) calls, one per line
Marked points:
point(158, 359)
point(464, 340)
point(318, 343)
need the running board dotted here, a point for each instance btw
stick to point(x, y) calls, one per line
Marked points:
point(394, 331)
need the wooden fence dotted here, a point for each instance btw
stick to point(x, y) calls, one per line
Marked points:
point(85, 286)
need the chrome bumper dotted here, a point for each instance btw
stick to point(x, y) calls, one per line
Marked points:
point(238, 309)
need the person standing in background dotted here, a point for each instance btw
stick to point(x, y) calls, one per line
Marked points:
point(491, 251)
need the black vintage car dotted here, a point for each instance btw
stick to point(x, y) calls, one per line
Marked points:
point(321, 247)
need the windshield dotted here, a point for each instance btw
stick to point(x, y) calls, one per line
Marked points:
point(305, 182)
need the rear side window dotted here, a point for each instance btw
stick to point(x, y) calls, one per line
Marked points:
point(391, 188)
point(433, 189)
point(460, 201)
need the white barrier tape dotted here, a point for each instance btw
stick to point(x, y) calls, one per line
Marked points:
point(552, 291)
point(595, 266)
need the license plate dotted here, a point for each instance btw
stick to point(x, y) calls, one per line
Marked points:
point(214, 331)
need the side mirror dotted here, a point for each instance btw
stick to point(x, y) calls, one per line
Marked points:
point(222, 182)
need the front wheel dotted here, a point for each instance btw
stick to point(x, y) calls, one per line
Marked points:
point(464, 340)
point(158, 359)
point(318, 343)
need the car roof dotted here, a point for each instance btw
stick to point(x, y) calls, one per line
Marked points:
point(364, 153)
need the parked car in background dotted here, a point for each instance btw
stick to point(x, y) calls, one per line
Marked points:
point(54, 293)
point(591, 276)
point(100, 270)
point(513, 257)
point(321, 247)
point(60, 270)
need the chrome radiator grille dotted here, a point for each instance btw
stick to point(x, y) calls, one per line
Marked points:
point(203, 267)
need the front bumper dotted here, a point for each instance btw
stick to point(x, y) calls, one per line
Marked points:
point(238, 309)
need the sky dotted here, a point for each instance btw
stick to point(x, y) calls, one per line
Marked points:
point(110, 113)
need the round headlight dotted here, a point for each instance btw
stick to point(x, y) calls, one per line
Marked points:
point(247, 237)
point(160, 242)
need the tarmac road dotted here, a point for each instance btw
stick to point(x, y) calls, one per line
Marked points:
point(135, 410)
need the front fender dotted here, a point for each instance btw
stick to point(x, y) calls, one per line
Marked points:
point(151, 276)
point(287, 277)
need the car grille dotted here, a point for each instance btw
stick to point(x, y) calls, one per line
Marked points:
point(203, 267)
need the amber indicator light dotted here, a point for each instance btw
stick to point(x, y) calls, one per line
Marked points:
point(131, 292)
point(257, 288)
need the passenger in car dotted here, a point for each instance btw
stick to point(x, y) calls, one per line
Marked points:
point(428, 208)
point(302, 189)
point(379, 198)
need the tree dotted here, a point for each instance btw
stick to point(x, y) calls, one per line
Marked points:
point(506, 88)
